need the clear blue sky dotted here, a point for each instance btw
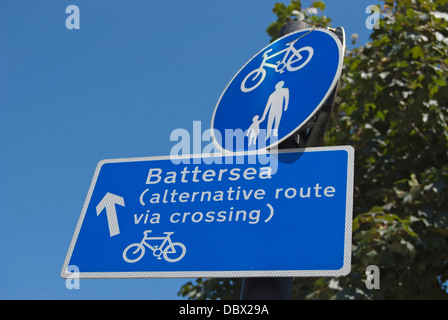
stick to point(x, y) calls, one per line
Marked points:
point(115, 88)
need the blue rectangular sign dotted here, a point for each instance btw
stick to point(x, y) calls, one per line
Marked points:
point(248, 214)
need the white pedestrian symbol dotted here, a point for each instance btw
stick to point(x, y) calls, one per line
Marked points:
point(253, 130)
point(277, 103)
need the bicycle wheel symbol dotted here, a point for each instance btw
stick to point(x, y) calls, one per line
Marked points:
point(133, 252)
point(174, 252)
point(253, 80)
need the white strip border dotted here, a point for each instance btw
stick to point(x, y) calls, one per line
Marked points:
point(345, 270)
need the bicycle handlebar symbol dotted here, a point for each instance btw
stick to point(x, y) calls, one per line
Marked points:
point(256, 76)
point(173, 252)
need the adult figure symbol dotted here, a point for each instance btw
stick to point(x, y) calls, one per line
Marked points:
point(277, 103)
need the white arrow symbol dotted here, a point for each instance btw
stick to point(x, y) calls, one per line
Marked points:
point(109, 201)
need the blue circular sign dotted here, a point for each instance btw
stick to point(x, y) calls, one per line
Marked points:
point(278, 91)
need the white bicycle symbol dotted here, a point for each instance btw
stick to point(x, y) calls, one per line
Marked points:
point(259, 74)
point(173, 252)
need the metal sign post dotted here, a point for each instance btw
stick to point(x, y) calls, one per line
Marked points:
point(312, 136)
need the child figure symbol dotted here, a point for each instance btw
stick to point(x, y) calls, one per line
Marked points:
point(277, 103)
point(253, 130)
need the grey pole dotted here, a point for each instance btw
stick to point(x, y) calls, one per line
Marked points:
point(281, 288)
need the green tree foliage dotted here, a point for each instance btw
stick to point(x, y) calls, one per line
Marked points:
point(392, 107)
point(294, 11)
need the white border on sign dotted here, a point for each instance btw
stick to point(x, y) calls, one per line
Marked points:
point(330, 89)
point(345, 270)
